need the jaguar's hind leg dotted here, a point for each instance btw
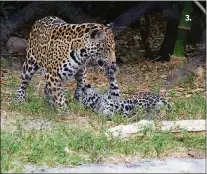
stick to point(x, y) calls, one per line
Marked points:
point(30, 66)
point(48, 97)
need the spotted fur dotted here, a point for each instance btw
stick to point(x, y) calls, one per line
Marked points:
point(62, 50)
point(111, 103)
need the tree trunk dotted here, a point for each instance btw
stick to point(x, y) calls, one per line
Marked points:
point(169, 40)
point(184, 26)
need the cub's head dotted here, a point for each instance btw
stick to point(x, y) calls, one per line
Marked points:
point(101, 44)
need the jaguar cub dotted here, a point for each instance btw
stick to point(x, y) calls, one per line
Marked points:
point(110, 102)
point(62, 50)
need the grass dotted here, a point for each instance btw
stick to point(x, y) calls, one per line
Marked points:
point(186, 81)
point(6, 62)
point(73, 144)
point(188, 108)
point(65, 144)
point(34, 106)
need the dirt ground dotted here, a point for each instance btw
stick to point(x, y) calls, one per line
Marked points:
point(134, 76)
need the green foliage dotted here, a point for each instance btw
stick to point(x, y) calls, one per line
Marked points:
point(172, 93)
point(156, 89)
point(5, 63)
point(34, 105)
point(188, 108)
point(186, 81)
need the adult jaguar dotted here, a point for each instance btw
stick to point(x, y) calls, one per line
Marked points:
point(63, 49)
point(110, 102)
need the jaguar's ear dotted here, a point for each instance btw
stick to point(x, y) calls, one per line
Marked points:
point(98, 34)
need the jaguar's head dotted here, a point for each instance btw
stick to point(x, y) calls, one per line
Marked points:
point(102, 44)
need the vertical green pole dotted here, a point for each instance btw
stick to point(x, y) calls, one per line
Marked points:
point(184, 26)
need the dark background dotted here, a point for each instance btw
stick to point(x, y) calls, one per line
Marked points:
point(127, 17)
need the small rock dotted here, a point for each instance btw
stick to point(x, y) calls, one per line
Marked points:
point(200, 72)
point(16, 45)
point(163, 76)
point(66, 150)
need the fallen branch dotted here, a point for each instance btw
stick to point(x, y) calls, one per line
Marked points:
point(124, 131)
